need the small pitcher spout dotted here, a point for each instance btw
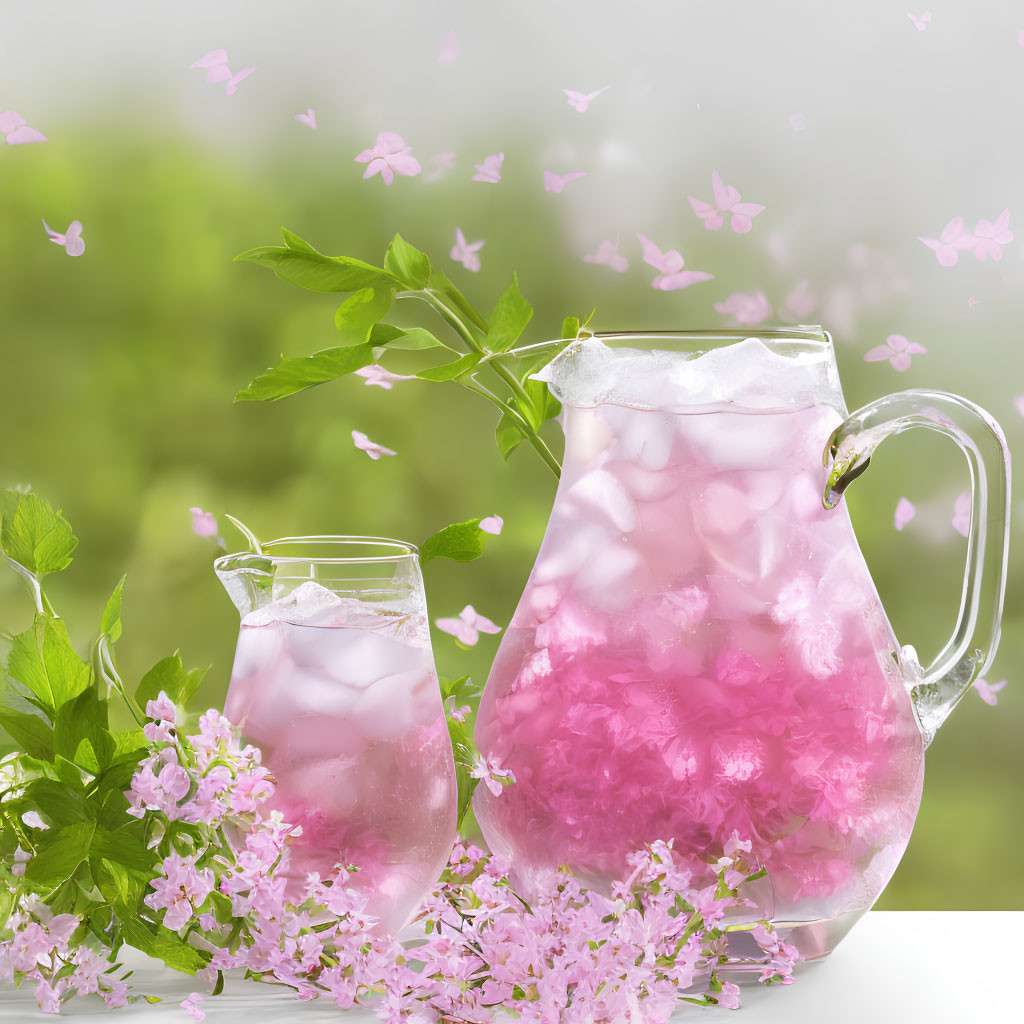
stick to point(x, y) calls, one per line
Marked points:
point(248, 579)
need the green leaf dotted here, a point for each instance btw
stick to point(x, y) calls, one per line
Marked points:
point(125, 846)
point(542, 405)
point(60, 852)
point(570, 327)
point(357, 315)
point(111, 622)
point(461, 542)
point(509, 318)
point(30, 732)
point(43, 660)
point(440, 283)
point(293, 375)
point(169, 675)
point(33, 534)
point(299, 263)
point(396, 337)
point(508, 434)
point(407, 263)
point(163, 944)
point(454, 370)
point(59, 804)
point(80, 732)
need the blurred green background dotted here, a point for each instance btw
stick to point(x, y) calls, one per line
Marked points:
point(117, 372)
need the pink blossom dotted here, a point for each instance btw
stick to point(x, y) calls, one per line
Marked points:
point(897, 350)
point(580, 101)
point(16, 130)
point(987, 691)
point(71, 240)
point(492, 775)
point(490, 169)
point(609, 255)
point(729, 997)
point(190, 1004)
point(468, 626)
point(19, 860)
point(555, 182)
point(449, 47)
point(800, 302)
point(492, 524)
point(215, 63)
point(745, 308)
point(162, 709)
point(990, 237)
point(308, 118)
point(374, 450)
point(948, 245)
point(376, 376)
point(920, 21)
point(669, 265)
point(204, 524)
point(466, 252)
point(905, 511)
point(389, 156)
point(962, 514)
point(798, 122)
point(180, 890)
point(49, 996)
point(726, 202)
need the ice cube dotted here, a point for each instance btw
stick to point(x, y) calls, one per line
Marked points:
point(385, 710)
point(308, 604)
point(356, 657)
point(645, 437)
point(599, 491)
point(603, 577)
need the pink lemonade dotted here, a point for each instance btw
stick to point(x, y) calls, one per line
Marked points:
point(701, 651)
point(341, 696)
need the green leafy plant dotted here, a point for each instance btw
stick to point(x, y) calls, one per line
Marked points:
point(481, 347)
point(66, 840)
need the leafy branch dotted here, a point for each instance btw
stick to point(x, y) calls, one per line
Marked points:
point(482, 347)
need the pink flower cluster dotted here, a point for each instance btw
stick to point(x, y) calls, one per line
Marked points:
point(41, 950)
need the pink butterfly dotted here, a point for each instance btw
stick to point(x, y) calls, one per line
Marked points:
point(608, 254)
point(971, 302)
point(467, 627)
point(389, 156)
point(948, 245)
point(987, 692)
point(492, 524)
point(449, 48)
point(962, 514)
point(897, 350)
point(466, 252)
point(364, 444)
point(74, 244)
point(800, 302)
point(377, 376)
point(905, 511)
point(580, 101)
point(920, 23)
point(670, 266)
point(490, 169)
point(308, 118)
point(216, 65)
point(204, 524)
point(16, 131)
point(745, 308)
point(798, 122)
point(989, 237)
point(555, 182)
point(727, 201)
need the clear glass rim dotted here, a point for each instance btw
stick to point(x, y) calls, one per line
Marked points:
point(802, 337)
point(402, 551)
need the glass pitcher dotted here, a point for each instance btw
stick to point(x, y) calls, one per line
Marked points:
point(700, 651)
point(334, 681)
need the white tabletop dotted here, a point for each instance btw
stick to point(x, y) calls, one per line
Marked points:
point(934, 967)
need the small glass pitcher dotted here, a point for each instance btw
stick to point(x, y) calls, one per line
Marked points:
point(334, 681)
point(700, 653)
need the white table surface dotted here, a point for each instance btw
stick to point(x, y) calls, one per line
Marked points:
point(962, 967)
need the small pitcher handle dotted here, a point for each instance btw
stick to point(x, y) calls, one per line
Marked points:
point(970, 650)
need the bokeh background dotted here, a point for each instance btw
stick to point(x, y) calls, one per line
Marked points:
point(117, 369)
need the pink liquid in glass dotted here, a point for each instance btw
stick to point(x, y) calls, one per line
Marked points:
point(342, 699)
point(700, 650)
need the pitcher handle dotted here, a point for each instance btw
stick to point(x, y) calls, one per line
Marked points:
point(970, 650)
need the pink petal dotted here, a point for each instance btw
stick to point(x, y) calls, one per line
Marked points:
point(449, 48)
point(404, 164)
point(218, 74)
point(900, 361)
point(232, 87)
point(720, 192)
point(953, 230)
point(385, 170)
point(10, 120)
point(652, 254)
point(740, 224)
point(22, 136)
point(905, 511)
point(877, 354)
point(747, 209)
point(492, 524)
point(798, 122)
point(683, 279)
point(211, 59)
point(914, 349)
point(947, 256)
point(479, 622)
